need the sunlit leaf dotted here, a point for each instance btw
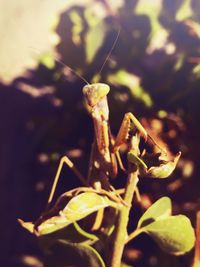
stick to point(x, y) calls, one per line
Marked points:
point(160, 209)
point(164, 170)
point(132, 82)
point(153, 165)
point(196, 71)
point(47, 60)
point(84, 204)
point(162, 114)
point(93, 40)
point(77, 208)
point(179, 62)
point(29, 226)
point(184, 11)
point(77, 26)
point(151, 9)
point(174, 234)
point(63, 254)
point(158, 35)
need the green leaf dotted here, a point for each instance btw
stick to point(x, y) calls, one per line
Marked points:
point(160, 209)
point(152, 10)
point(77, 208)
point(133, 83)
point(47, 60)
point(174, 234)
point(133, 158)
point(185, 10)
point(29, 226)
point(164, 170)
point(63, 254)
point(77, 27)
point(196, 71)
point(92, 44)
point(71, 233)
point(84, 204)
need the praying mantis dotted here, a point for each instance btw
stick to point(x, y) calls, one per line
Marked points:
point(105, 155)
point(108, 148)
point(105, 151)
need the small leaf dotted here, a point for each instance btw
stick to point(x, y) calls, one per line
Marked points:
point(47, 60)
point(92, 44)
point(185, 11)
point(133, 83)
point(29, 226)
point(84, 204)
point(174, 234)
point(160, 209)
point(77, 28)
point(164, 170)
point(63, 254)
point(136, 160)
point(53, 224)
point(152, 10)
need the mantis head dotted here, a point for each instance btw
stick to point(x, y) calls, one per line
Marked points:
point(95, 92)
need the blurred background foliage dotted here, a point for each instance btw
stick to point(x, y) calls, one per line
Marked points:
point(153, 71)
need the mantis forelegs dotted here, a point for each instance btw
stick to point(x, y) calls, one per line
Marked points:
point(127, 125)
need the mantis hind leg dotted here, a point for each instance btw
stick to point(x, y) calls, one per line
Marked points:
point(69, 163)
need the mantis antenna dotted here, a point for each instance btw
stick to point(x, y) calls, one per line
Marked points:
point(105, 61)
point(72, 70)
point(111, 49)
point(64, 65)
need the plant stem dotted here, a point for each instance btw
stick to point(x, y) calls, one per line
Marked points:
point(134, 234)
point(120, 234)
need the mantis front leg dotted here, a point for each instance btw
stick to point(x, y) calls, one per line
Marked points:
point(127, 126)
